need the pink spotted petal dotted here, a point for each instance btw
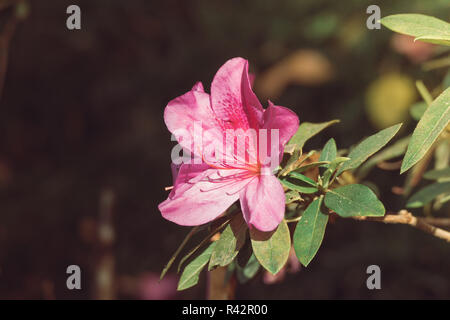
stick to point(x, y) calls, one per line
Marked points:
point(263, 202)
point(232, 99)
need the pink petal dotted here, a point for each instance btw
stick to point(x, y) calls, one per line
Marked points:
point(232, 98)
point(283, 119)
point(186, 175)
point(272, 142)
point(262, 203)
point(251, 104)
point(190, 118)
point(205, 197)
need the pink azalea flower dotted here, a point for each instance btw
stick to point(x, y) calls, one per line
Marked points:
point(203, 191)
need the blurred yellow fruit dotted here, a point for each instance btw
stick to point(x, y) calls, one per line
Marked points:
point(388, 99)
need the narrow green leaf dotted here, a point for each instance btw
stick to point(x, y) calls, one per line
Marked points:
point(230, 242)
point(430, 126)
point(424, 28)
point(439, 174)
point(427, 194)
point(311, 165)
point(272, 248)
point(368, 147)
point(191, 272)
point(305, 131)
point(303, 178)
point(215, 229)
point(354, 200)
point(297, 185)
point(175, 255)
point(309, 232)
point(329, 151)
point(396, 150)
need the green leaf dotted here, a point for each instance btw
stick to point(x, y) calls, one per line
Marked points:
point(311, 165)
point(430, 126)
point(309, 232)
point(439, 174)
point(396, 150)
point(174, 256)
point(417, 110)
point(216, 226)
point(249, 270)
point(230, 242)
point(354, 200)
point(191, 272)
point(329, 151)
point(272, 248)
point(422, 27)
point(427, 194)
point(305, 131)
point(303, 178)
point(368, 147)
point(297, 185)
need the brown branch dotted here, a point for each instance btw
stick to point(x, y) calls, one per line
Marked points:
point(405, 217)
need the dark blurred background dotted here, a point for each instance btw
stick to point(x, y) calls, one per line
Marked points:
point(85, 154)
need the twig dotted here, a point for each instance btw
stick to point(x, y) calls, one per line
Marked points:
point(441, 222)
point(405, 217)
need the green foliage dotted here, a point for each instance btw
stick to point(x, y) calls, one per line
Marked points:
point(298, 182)
point(393, 151)
point(368, 147)
point(177, 252)
point(329, 151)
point(427, 194)
point(422, 27)
point(230, 242)
point(244, 253)
point(309, 232)
point(190, 275)
point(354, 200)
point(312, 165)
point(305, 131)
point(430, 126)
point(272, 248)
